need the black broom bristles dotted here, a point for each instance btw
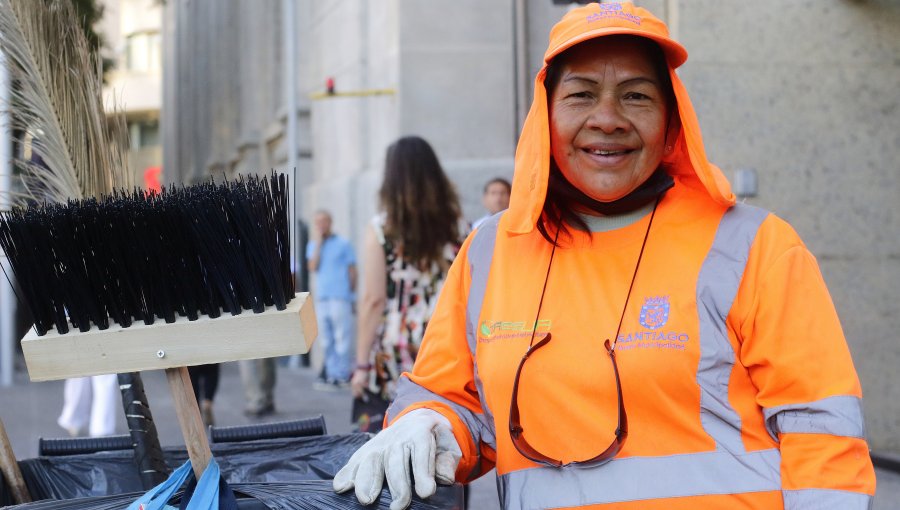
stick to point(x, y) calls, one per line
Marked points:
point(189, 251)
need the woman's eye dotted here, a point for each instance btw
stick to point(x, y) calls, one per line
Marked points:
point(636, 96)
point(579, 95)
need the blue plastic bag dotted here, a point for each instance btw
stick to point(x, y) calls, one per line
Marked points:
point(158, 497)
point(209, 493)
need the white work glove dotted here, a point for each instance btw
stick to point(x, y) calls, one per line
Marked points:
point(422, 438)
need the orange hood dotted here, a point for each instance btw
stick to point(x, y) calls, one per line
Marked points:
point(688, 158)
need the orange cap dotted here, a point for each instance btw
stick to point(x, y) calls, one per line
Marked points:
point(598, 20)
point(688, 156)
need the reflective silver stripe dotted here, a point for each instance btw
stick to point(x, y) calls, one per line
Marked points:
point(641, 478)
point(488, 434)
point(409, 393)
point(827, 499)
point(717, 285)
point(480, 256)
point(839, 416)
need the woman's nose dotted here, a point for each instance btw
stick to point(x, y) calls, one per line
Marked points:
point(607, 115)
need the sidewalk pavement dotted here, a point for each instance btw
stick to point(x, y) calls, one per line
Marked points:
point(29, 411)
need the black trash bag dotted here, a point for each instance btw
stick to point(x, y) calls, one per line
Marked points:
point(6, 498)
point(283, 459)
point(263, 460)
point(116, 502)
point(302, 495)
point(78, 476)
point(318, 495)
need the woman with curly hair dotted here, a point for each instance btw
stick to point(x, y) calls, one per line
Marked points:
point(408, 248)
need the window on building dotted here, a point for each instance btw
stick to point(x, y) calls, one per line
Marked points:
point(144, 133)
point(143, 52)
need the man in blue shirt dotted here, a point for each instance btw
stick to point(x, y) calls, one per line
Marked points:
point(332, 260)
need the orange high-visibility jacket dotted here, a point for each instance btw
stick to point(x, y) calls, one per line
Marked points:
point(738, 384)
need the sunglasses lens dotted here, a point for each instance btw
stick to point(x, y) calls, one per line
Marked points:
point(516, 431)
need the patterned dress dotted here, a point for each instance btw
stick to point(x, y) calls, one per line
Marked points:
point(411, 298)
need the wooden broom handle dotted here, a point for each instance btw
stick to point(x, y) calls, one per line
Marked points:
point(10, 469)
point(189, 418)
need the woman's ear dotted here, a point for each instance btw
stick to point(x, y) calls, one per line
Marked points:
point(673, 133)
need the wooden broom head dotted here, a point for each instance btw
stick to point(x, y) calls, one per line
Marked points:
point(117, 267)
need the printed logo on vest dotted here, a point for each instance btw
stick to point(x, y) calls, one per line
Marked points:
point(653, 317)
point(655, 312)
point(491, 331)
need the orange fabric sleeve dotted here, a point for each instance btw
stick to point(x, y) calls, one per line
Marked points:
point(822, 461)
point(444, 366)
point(792, 343)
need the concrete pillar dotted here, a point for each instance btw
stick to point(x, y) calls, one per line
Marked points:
point(7, 296)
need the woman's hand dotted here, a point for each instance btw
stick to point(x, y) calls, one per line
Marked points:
point(418, 452)
point(359, 381)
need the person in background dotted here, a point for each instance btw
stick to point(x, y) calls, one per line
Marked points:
point(626, 336)
point(258, 377)
point(407, 250)
point(90, 404)
point(205, 380)
point(495, 198)
point(331, 258)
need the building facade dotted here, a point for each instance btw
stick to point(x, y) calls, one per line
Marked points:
point(803, 95)
point(133, 40)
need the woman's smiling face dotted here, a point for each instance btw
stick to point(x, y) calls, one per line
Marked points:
point(608, 117)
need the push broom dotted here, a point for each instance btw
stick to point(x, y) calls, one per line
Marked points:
point(93, 323)
point(135, 282)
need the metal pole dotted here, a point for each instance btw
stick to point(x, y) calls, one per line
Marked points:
point(290, 100)
point(521, 69)
point(7, 296)
point(290, 90)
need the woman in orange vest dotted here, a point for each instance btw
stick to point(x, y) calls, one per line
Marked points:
point(626, 336)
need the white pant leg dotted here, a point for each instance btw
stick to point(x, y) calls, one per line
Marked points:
point(76, 411)
point(325, 338)
point(105, 405)
point(342, 322)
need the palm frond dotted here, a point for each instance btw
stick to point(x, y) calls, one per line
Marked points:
point(57, 99)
